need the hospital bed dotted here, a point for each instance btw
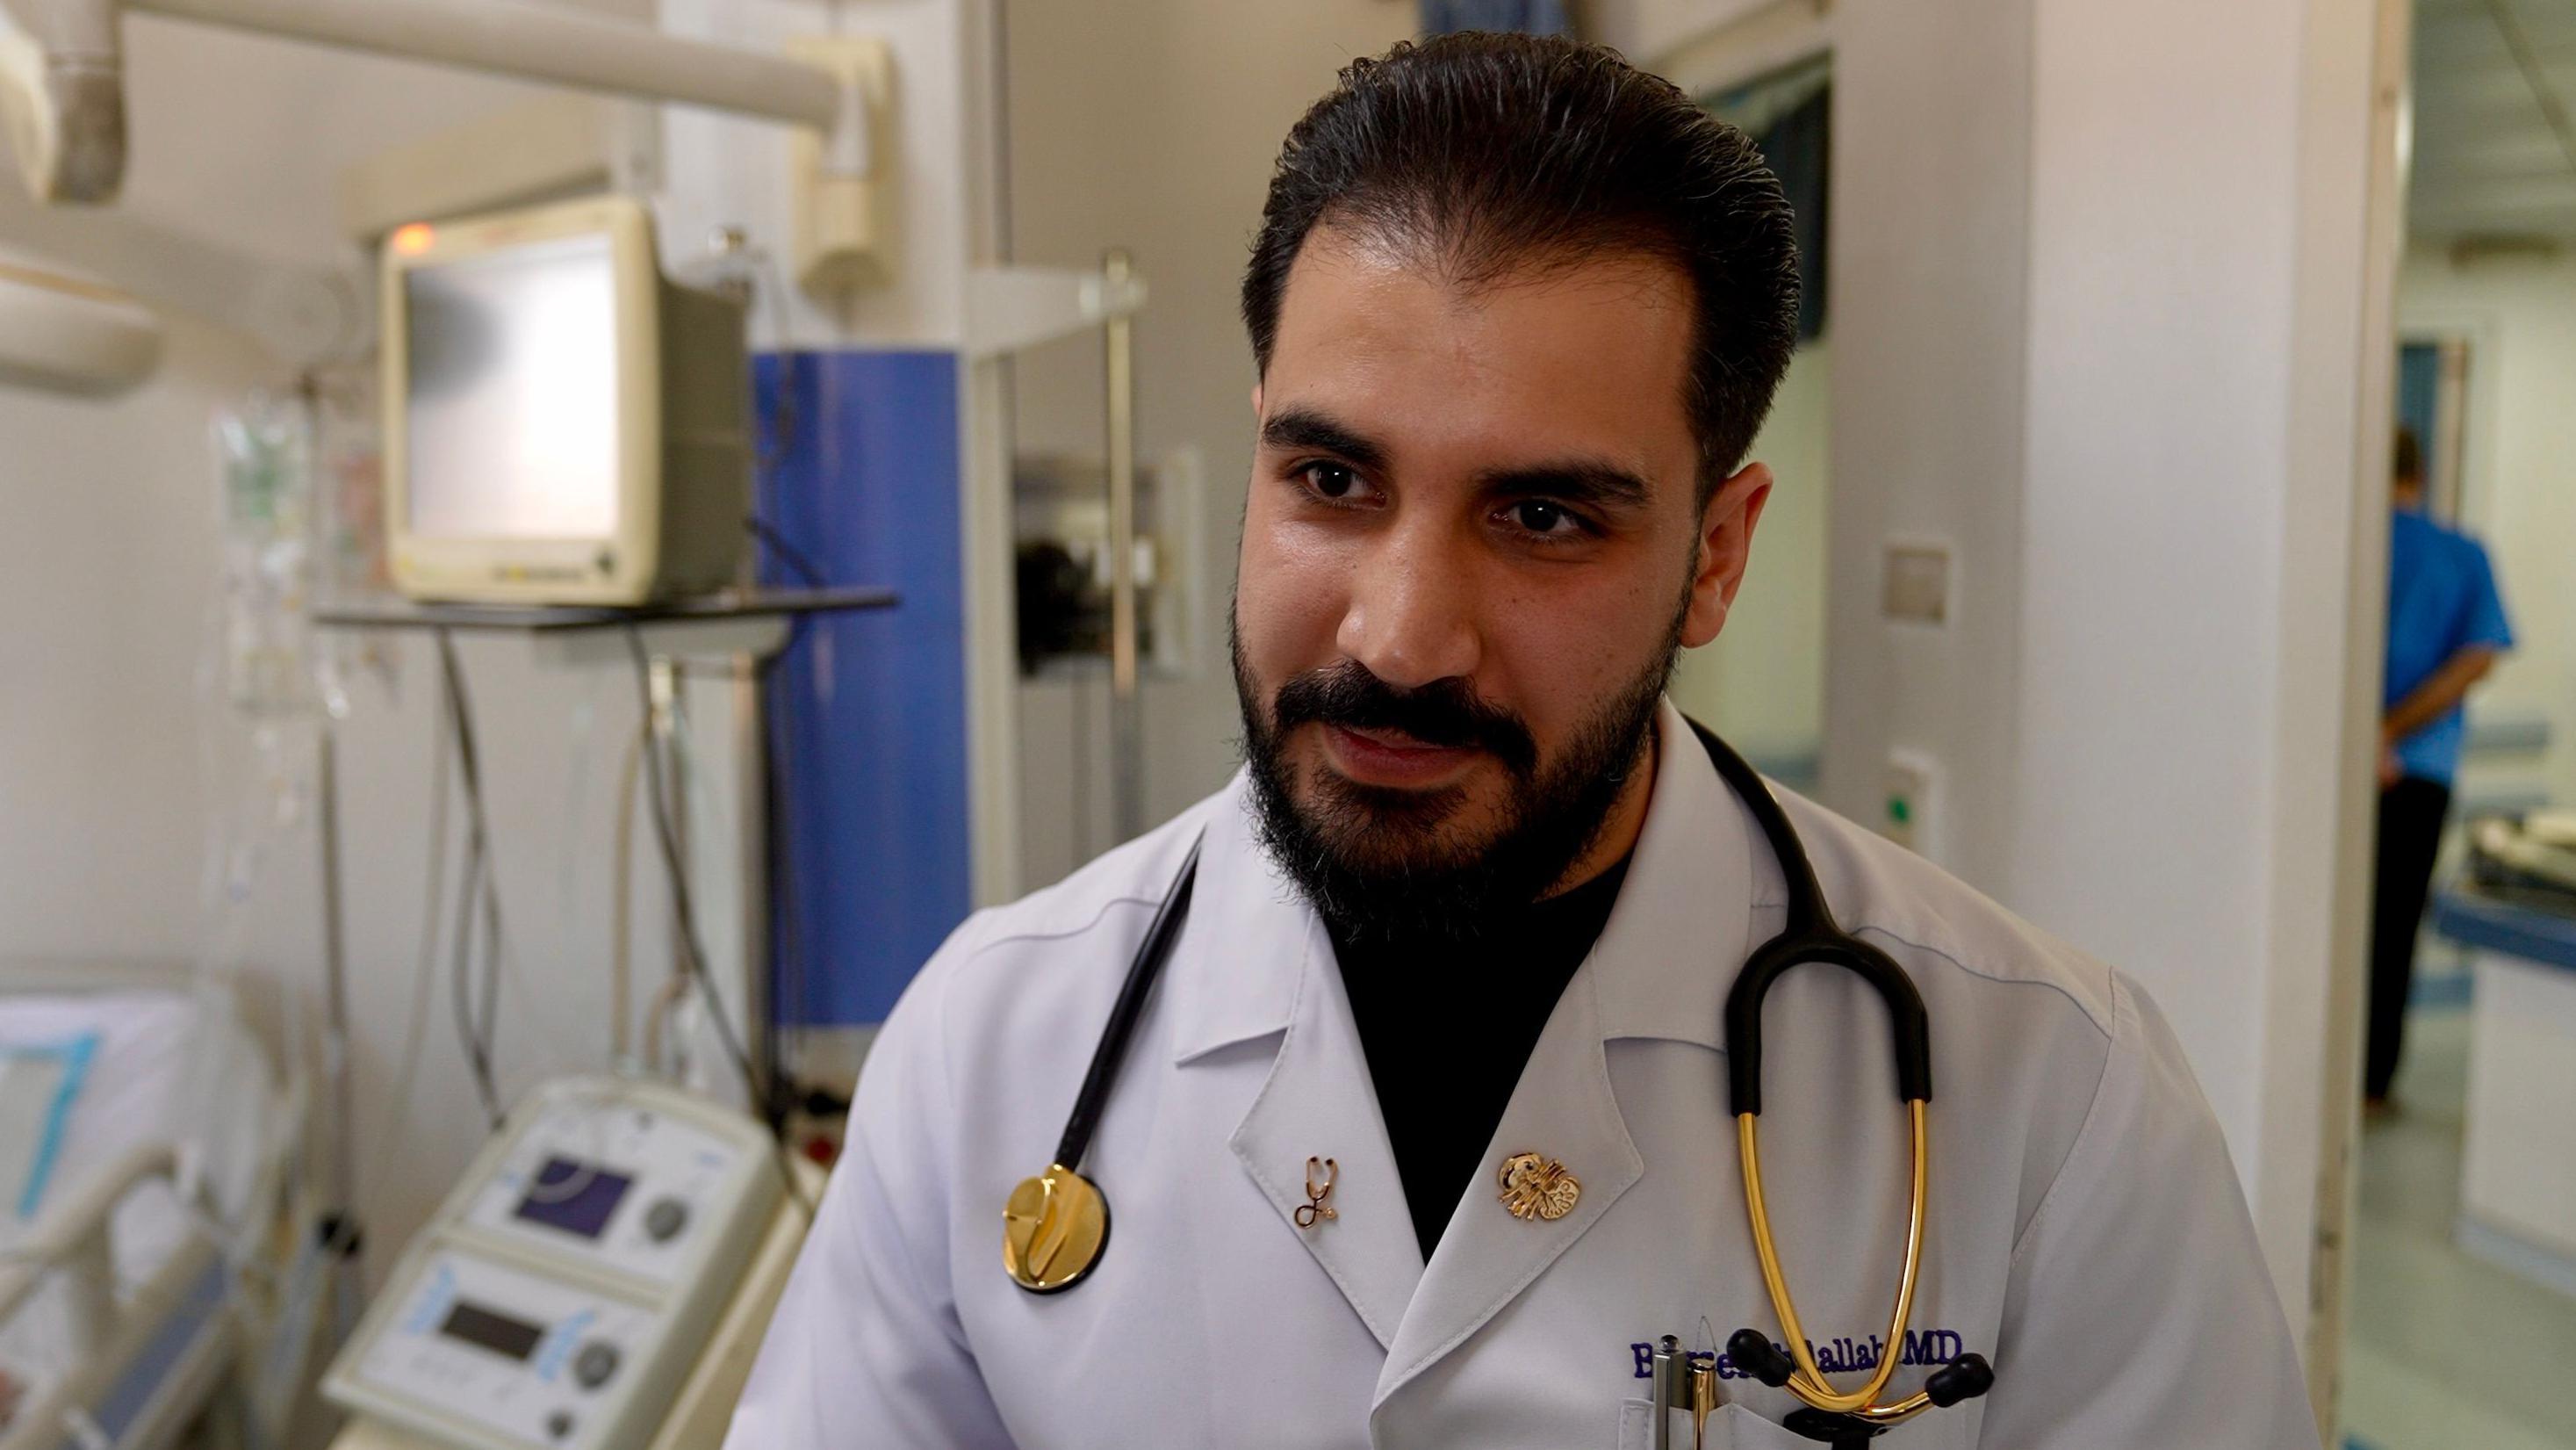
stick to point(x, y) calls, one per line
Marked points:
point(148, 1151)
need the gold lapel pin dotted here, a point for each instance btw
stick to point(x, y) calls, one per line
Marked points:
point(1538, 1187)
point(1314, 1210)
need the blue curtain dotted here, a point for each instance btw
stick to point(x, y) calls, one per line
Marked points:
point(1535, 17)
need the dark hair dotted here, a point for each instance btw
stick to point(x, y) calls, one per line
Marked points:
point(2408, 465)
point(1490, 153)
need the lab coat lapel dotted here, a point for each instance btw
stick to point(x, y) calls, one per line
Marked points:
point(1668, 952)
point(1319, 1102)
point(1563, 1109)
point(1267, 969)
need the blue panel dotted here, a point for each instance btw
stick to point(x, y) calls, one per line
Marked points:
point(862, 478)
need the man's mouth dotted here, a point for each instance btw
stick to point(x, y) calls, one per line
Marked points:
point(1393, 758)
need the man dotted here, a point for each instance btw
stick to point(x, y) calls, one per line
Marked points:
point(2446, 625)
point(1421, 1138)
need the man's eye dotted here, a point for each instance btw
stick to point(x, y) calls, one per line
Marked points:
point(1331, 480)
point(1540, 516)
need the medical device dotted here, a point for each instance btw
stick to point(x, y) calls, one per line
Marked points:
point(563, 424)
point(598, 1280)
point(1056, 1225)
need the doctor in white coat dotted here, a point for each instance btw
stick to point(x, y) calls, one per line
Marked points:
point(1422, 1138)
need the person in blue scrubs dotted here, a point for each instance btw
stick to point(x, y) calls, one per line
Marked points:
point(2446, 625)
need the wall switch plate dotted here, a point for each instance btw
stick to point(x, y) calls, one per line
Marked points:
point(1916, 584)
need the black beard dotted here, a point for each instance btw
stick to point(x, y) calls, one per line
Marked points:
point(1381, 864)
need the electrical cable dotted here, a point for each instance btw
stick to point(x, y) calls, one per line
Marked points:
point(764, 1095)
point(425, 968)
point(475, 1028)
point(788, 554)
point(621, 991)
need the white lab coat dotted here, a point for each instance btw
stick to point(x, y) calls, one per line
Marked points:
point(2087, 1233)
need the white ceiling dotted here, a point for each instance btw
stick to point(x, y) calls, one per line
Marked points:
point(2488, 161)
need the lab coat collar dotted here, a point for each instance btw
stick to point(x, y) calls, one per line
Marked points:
point(1679, 931)
point(1250, 939)
point(1661, 968)
point(1683, 923)
point(1564, 1110)
point(1261, 965)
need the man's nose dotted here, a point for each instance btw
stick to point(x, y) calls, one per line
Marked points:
point(1411, 617)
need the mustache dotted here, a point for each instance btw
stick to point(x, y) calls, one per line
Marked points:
point(1444, 712)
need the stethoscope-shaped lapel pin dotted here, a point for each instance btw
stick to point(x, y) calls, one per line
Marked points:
point(1314, 1210)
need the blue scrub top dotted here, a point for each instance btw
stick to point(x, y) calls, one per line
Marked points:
point(2441, 600)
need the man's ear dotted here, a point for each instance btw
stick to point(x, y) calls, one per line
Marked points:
point(1725, 544)
point(1256, 400)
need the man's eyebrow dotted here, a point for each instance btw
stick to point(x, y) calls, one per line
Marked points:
point(1581, 481)
point(1296, 428)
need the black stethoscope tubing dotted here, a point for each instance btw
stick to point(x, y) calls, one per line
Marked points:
point(1808, 935)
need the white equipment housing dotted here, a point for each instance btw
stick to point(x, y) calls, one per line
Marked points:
point(613, 1237)
point(72, 335)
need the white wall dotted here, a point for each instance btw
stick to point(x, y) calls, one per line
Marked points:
point(1153, 125)
point(2153, 500)
point(106, 574)
point(1930, 242)
point(2160, 478)
point(2520, 464)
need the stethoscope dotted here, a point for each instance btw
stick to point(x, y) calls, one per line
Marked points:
point(1056, 1225)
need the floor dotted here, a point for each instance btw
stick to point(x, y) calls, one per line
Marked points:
point(2444, 1350)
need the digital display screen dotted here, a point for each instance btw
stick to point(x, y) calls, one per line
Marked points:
point(488, 1329)
point(512, 361)
point(574, 1197)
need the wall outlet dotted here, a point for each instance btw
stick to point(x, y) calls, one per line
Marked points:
point(1910, 800)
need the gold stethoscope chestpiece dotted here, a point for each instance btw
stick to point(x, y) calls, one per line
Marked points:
point(1053, 1228)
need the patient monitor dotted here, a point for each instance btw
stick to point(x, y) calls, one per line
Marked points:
point(562, 423)
point(599, 1280)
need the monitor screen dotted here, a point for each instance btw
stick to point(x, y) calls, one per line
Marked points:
point(490, 1329)
point(512, 359)
point(574, 1197)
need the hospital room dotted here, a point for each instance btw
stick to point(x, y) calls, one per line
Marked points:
point(814, 724)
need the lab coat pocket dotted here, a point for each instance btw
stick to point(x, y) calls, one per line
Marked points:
point(1733, 1427)
point(1746, 1430)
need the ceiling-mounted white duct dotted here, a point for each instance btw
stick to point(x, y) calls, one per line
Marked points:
point(70, 335)
point(62, 97)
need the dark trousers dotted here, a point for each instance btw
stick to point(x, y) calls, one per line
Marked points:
point(2410, 835)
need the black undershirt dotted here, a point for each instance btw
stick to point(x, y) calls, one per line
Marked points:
point(1448, 1026)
